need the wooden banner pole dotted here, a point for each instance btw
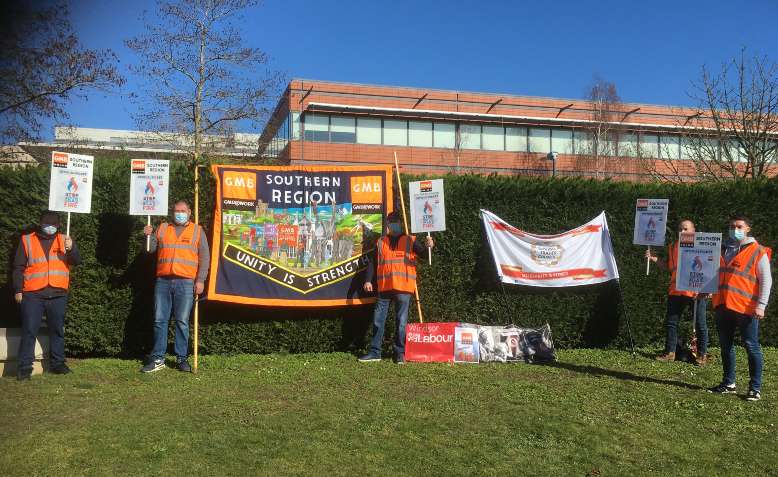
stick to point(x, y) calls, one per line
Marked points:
point(196, 298)
point(405, 225)
point(648, 260)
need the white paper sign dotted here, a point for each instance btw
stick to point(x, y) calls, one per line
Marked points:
point(428, 209)
point(70, 187)
point(650, 221)
point(149, 184)
point(698, 262)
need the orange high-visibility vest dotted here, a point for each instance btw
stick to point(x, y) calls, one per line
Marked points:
point(738, 281)
point(177, 256)
point(396, 269)
point(42, 272)
point(672, 265)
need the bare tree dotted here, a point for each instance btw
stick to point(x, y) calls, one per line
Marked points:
point(734, 134)
point(202, 81)
point(603, 129)
point(43, 66)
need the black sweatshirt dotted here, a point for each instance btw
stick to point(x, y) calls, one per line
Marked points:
point(20, 263)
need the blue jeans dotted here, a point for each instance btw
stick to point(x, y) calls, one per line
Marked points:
point(401, 302)
point(727, 321)
point(33, 309)
point(176, 294)
point(675, 308)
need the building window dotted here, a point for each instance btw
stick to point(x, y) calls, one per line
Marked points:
point(628, 145)
point(444, 135)
point(649, 145)
point(368, 131)
point(516, 139)
point(691, 148)
point(539, 140)
point(582, 144)
point(493, 138)
point(295, 119)
point(420, 134)
point(343, 129)
point(469, 136)
point(317, 127)
point(395, 133)
point(562, 141)
point(669, 147)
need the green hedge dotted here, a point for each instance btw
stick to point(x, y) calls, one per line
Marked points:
point(111, 302)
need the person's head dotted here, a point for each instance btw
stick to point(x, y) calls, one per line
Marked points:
point(394, 224)
point(49, 222)
point(739, 227)
point(686, 225)
point(181, 212)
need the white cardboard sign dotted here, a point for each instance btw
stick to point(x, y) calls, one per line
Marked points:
point(70, 186)
point(428, 208)
point(650, 221)
point(698, 262)
point(149, 185)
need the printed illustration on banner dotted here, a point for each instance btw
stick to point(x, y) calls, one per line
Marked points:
point(301, 229)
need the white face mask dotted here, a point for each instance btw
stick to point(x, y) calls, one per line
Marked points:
point(49, 229)
point(180, 217)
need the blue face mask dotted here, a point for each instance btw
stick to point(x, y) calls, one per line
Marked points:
point(395, 228)
point(737, 234)
point(181, 217)
point(49, 229)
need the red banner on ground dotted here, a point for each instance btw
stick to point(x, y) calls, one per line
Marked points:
point(430, 342)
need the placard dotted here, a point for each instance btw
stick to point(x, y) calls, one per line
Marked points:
point(428, 209)
point(650, 221)
point(698, 262)
point(70, 186)
point(149, 185)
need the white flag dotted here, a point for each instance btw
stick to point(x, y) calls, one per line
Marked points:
point(582, 256)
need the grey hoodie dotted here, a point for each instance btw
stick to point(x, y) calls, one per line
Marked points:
point(763, 273)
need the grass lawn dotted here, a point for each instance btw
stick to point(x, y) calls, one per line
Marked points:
point(593, 412)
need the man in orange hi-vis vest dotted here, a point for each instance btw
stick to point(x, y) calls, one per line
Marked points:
point(41, 280)
point(394, 267)
point(182, 266)
point(677, 301)
point(745, 280)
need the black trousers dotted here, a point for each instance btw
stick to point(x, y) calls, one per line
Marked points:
point(33, 309)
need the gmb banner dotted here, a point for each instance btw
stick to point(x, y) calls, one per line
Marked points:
point(296, 235)
point(581, 256)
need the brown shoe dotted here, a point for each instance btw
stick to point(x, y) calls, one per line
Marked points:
point(666, 357)
point(701, 360)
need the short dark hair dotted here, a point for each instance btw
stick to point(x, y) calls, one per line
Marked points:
point(182, 201)
point(50, 217)
point(394, 217)
point(740, 217)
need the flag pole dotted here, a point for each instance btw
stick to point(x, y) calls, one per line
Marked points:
point(405, 225)
point(626, 317)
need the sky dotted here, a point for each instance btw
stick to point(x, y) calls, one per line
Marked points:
point(651, 50)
